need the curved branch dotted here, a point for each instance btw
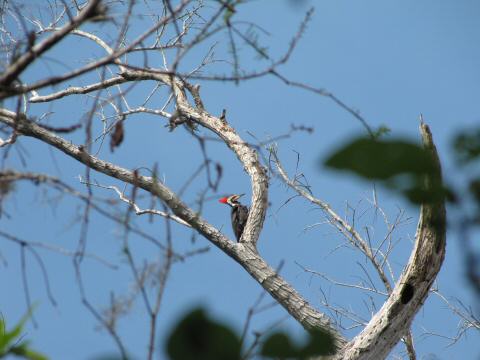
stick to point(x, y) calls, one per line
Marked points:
point(393, 320)
point(352, 235)
point(249, 159)
point(336, 220)
point(219, 125)
point(111, 58)
point(78, 90)
point(134, 205)
point(103, 84)
point(243, 253)
point(15, 69)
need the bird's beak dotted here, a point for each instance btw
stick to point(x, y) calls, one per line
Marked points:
point(239, 196)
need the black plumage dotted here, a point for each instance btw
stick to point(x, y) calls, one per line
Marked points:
point(239, 214)
point(239, 219)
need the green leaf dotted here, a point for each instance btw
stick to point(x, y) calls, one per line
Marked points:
point(9, 336)
point(2, 336)
point(416, 192)
point(197, 337)
point(399, 164)
point(381, 159)
point(467, 146)
point(279, 345)
point(382, 130)
point(10, 341)
point(27, 353)
point(320, 343)
point(474, 188)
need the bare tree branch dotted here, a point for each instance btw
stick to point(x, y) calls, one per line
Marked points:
point(14, 70)
point(394, 318)
point(183, 105)
point(245, 254)
point(135, 207)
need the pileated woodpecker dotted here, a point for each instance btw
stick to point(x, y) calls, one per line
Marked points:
point(239, 213)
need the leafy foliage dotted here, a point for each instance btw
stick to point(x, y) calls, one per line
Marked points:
point(197, 337)
point(11, 342)
point(279, 345)
point(381, 131)
point(200, 338)
point(474, 188)
point(467, 146)
point(399, 164)
point(381, 159)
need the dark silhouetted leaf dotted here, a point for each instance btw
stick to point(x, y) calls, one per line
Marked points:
point(418, 194)
point(467, 146)
point(279, 345)
point(401, 165)
point(380, 159)
point(320, 343)
point(197, 337)
point(474, 188)
point(117, 136)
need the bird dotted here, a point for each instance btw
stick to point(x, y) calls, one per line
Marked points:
point(239, 213)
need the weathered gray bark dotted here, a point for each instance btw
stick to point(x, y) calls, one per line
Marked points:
point(244, 253)
point(385, 328)
point(390, 323)
point(393, 320)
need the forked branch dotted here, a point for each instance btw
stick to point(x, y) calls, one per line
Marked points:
point(244, 253)
point(393, 320)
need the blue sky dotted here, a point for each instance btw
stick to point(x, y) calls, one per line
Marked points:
point(390, 60)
